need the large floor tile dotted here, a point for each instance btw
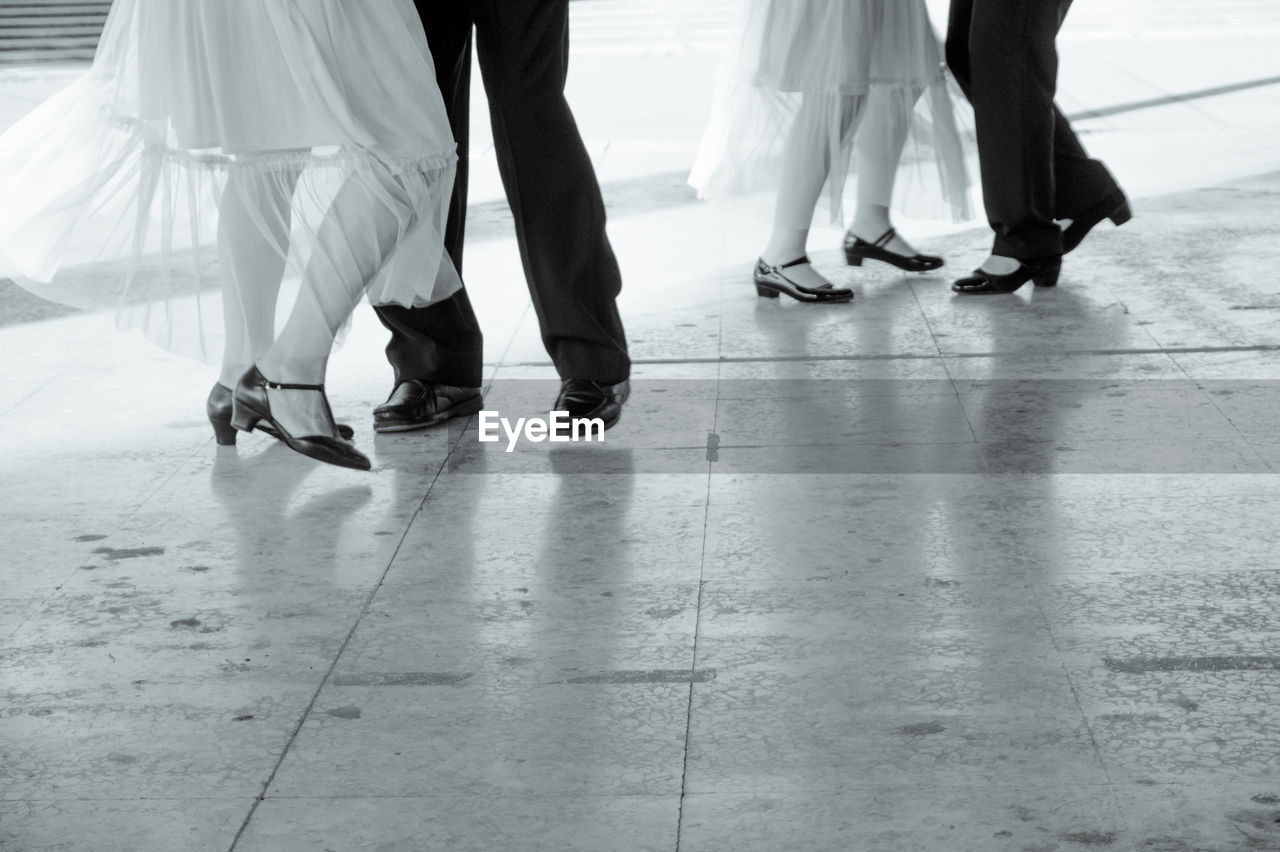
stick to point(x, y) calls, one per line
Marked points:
point(196, 738)
point(114, 824)
point(890, 817)
point(566, 530)
point(483, 737)
point(466, 823)
point(776, 527)
point(849, 459)
point(851, 413)
point(551, 630)
point(1175, 670)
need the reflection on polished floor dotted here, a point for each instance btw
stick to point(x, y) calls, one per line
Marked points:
point(919, 572)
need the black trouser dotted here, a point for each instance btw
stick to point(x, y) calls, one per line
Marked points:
point(1034, 169)
point(570, 267)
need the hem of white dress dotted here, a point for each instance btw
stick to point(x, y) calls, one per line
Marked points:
point(861, 87)
point(327, 156)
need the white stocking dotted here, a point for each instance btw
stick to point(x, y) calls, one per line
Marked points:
point(878, 148)
point(362, 227)
point(822, 126)
point(253, 242)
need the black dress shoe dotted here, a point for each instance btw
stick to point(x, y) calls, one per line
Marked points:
point(218, 407)
point(857, 250)
point(771, 280)
point(251, 405)
point(588, 400)
point(415, 405)
point(1114, 207)
point(1041, 270)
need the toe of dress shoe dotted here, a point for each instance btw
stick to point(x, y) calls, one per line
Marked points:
point(406, 395)
point(414, 404)
point(588, 400)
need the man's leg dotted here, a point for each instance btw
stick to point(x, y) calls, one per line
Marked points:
point(551, 186)
point(956, 46)
point(1081, 181)
point(437, 352)
point(1013, 69)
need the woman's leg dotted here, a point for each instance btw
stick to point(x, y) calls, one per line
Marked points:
point(878, 149)
point(253, 241)
point(363, 226)
point(806, 167)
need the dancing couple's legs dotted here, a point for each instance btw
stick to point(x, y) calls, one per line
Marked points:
point(1034, 168)
point(572, 274)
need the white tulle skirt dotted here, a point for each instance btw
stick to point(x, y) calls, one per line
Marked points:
point(835, 70)
point(306, 136)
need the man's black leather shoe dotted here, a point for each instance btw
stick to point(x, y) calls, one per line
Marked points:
point(588, 400)
point(415, 405)
point(1114, 207)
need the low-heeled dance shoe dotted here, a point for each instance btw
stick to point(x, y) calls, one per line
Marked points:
point(1042, 271)
point(1113, 207)
point(857, 250)
point(772, 281)
point(251, 406)
point(584, 399)
point(415, 404)
point(218, 407)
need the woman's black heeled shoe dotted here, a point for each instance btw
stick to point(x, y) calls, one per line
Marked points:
point(218, 407)
point(1115, 208)
point(770, 281)
point(251, 405)
point(857, 250)
point(1043, 271)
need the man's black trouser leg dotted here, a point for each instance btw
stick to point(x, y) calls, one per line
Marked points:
point(551, 186)
point(443, 343)
point(1034, 169)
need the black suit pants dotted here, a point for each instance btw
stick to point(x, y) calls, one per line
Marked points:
point(573, 276)
point(1034, 169)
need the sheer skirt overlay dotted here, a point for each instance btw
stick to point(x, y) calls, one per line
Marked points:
point(292, 153)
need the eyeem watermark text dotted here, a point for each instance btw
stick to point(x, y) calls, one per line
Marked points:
point(559, 429)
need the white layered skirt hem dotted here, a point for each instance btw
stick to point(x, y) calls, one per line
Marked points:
point(297, 113)
point(793, 58)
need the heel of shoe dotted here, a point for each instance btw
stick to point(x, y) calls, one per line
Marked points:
point(1049, 277)
point(766, 292)
point(853, 259)
point(224, 432)
point(1121, 214)
point(243, 419)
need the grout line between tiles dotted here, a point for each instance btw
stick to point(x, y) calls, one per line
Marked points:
point(941, 356)
point(328, 674)
point(697, 614)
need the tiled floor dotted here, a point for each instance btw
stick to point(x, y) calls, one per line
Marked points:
point(920, 572)
point(914, 573)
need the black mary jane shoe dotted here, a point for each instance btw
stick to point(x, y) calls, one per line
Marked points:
point(857, 250)
point(1042, 271)
point(251, 405)
point(1114, 207)
point(218, 407)
point(771, 281)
